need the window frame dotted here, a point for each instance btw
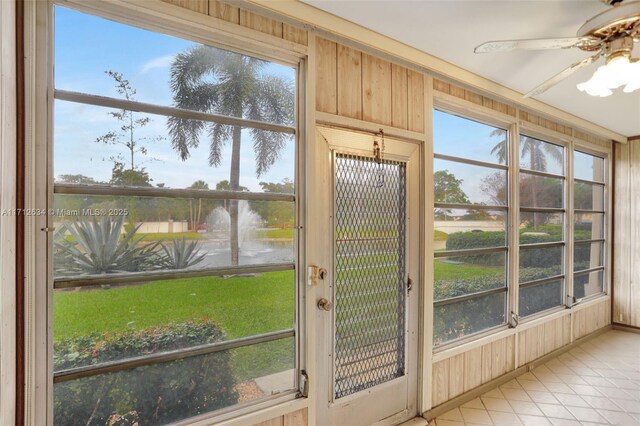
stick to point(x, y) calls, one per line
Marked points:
point(570, 143)
point(164, 19)
point(451, 106)
point(566, 144)
point(606, 155)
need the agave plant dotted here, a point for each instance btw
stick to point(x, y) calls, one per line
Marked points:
point(180, 254)
point(99, 247)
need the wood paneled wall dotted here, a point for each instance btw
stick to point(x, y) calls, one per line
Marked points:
point(626, 265)
point(297, 418)
point(465, 371)
point(542, 339)
point(245, 18)
point(353, 84)
point(588, 320)
point(474, 98)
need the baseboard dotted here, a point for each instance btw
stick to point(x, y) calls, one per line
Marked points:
point(482, 389)
point(626, 327)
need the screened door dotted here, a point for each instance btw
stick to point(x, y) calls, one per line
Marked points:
point(370, 317)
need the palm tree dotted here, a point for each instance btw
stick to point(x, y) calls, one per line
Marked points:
point(226, 83)
point(195, 214)
point(536, 150)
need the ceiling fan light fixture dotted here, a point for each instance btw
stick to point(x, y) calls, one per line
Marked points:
point(620, 70)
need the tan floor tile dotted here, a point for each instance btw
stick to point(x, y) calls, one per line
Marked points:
point(572, 379)
point(516, 395)
point(495, 404)
point(585, 371)
point(586, 414)
point(504, 419)
point(534, 420)
point(585, 390)
point(540, 369)
point(556, 411)
point(572, 400)
point(618, 418)
point(625, 384)
point(454, 415)
point(627, 405)
point(544, 397)
point(608, 373)
point(448, 423)
point(494, 393)
point(614, 393)
point(527, 376)
point(558, 388)
point(564, 422)
point(548, 377)
point(512, 384)
point(525, 407)
point(601, 402)
point(597, 381)
point(471, 415)
point(474, 403)
point(532, 385)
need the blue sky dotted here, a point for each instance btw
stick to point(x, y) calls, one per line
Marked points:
point(87, 46)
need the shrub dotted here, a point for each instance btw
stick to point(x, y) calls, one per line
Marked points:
point(154, 394)
point(457, 320)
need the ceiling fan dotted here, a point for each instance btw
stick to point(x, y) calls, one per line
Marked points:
point(610, 34)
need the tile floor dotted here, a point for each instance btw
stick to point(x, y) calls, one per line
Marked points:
point(597, 382)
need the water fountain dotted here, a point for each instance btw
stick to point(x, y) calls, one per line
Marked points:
point(248, 221)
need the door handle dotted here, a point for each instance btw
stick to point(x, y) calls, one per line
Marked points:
point(324, 304)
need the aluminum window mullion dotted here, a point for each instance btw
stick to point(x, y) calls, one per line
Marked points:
point(105, 101)
point(541, 281)
point(588, 211)
point(138, 191)
point(588, 271)
point(470, 162)
point(145, 360)
point(469, 206)
point(144, 277)
point(542, 210)
point(470, 252)
point(590, 182)
point(465, 297)
point(541, 174)
point(533, 246)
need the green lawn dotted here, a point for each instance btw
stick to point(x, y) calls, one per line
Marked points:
point(242, 306)
point(452, 271)
point(165, 236)
point(284, 233)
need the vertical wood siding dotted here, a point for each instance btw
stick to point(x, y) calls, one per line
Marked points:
point(626, 275)
point(353, 84)
point(245, 18)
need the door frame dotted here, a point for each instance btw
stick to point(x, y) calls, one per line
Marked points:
point(411, 152)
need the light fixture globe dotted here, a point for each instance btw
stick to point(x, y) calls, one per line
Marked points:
point(619, 70)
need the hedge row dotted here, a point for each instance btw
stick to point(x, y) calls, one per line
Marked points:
point(528, 258)
point(154, 394)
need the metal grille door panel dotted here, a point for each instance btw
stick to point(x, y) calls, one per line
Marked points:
point(370, 281)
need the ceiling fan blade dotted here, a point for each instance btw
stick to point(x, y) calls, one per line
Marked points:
point(562, 75)
point(536, 44)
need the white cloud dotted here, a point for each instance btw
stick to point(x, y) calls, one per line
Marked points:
point(161, 62)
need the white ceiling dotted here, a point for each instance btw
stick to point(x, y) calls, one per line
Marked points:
point(450, 29)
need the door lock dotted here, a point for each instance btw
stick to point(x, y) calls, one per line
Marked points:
point(324, 304)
